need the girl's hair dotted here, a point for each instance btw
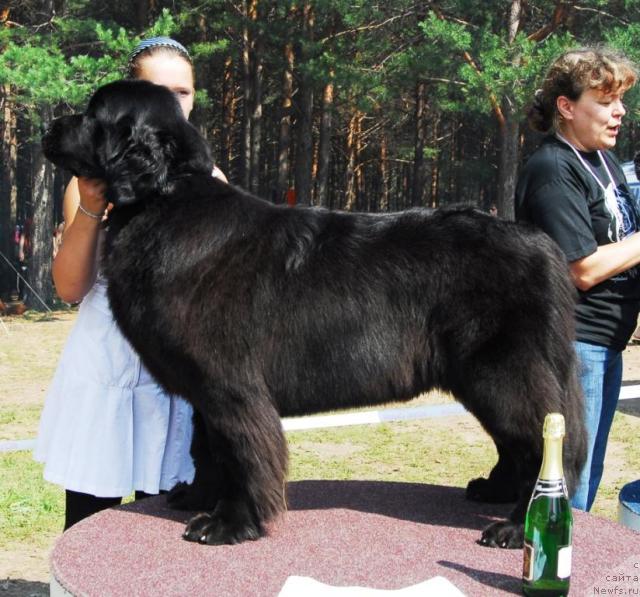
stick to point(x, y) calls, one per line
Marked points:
point(153, 46)
point(574, 72)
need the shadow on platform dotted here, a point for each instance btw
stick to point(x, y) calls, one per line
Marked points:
point(412, 502)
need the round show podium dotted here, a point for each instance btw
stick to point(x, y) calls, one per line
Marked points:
point(342, 533)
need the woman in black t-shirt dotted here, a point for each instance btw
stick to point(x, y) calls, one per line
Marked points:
point(573, 188)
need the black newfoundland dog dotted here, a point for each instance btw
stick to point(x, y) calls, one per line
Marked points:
point(253, 311)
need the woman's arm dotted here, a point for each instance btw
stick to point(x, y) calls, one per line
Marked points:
point(75, 265)
point(606, 262)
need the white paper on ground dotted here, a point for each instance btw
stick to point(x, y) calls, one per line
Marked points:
point(297, 586)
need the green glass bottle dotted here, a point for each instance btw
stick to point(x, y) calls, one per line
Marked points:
point(549, 522)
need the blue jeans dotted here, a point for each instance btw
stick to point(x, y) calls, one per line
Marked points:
point(601, 378)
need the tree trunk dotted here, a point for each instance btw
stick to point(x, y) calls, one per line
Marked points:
point(245, 151)
point(304, 117)
point(351, 175)
point(304, 143)
point(142, 14)
point(39, 268)
point(228, 114)
point(434, 170)
point(509, 133)
point(255, 61)
point(417, 191)
point(384, 175)
point(324, 149)
point(8, 190)
point(508, 165)
point(284, 137)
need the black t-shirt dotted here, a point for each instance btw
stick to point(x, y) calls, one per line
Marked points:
point(558, 194)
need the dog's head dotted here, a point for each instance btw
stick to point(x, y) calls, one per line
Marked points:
point(134, 136)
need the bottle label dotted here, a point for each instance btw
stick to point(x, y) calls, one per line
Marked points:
point(564, 562)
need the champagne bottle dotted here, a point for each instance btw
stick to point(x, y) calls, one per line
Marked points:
point(549, 522)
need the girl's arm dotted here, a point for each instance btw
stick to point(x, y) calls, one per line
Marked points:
point(75, 265)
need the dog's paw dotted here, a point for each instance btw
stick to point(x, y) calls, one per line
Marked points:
point(185, 496)
point(504, 534)
point(490, 492)
point(225, 525)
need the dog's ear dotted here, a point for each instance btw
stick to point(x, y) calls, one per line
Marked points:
point(193, 154)
point(140, 158)
point(136, 158)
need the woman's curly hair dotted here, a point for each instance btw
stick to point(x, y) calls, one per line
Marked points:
point(574, 72)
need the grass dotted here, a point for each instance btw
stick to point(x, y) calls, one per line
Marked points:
point(32, 509)
point(29, 350)
point(403, 451)
point(446, 451)
point(19, 421)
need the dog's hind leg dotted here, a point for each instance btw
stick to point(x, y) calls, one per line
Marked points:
point(509, 393)
point(249, 462)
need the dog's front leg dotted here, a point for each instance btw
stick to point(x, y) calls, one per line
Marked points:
point(510, 533)
point(249, 452)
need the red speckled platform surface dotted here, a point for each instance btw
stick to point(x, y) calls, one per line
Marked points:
point(374, 534)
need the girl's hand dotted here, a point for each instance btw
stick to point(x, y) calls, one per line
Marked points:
point(92, 194)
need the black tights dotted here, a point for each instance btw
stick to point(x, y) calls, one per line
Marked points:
point(80, 505)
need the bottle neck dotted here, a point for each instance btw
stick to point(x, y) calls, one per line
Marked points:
point(552, 459)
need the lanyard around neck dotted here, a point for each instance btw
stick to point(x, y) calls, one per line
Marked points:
point(586, 165)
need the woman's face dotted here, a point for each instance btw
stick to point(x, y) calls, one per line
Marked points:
point(173, 72)
point(593, 121)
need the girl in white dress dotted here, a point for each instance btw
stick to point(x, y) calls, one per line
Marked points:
point(107, 428)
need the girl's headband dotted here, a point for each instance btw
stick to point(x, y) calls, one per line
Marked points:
point(156, 42)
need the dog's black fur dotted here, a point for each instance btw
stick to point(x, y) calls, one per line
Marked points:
point(252, 311)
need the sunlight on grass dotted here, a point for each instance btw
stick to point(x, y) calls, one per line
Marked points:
point(31, 509)
point(29, 352)
point(19, 421)
point(416, 451)
point(622, 463)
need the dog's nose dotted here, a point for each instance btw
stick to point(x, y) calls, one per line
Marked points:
point(49, 137)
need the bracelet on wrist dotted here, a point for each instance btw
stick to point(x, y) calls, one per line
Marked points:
point(86, 212)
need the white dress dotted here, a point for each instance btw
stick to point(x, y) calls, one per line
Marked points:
point(107, 428)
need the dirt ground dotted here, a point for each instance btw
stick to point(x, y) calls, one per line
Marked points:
point(24, 570)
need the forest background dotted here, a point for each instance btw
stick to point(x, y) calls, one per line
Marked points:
point(346, 104)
